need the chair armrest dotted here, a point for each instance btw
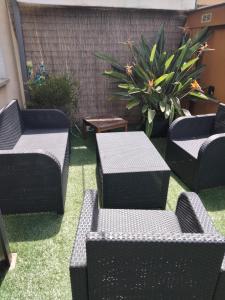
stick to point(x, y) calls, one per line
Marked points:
point(78, 262)
point(44, 118)
point(213, 147)
point(191, 126)
point(192, 215)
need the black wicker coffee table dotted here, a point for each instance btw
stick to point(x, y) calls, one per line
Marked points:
point(130, 172)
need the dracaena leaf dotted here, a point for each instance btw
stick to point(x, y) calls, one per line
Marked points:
point(169, 76)
point(151, 115)
point(167, 110)
point(148, 128)
point(168, 62)
point(139, 70)
point(160, 79)
point(115, 75)
point(132, 103)
point(134, 91)
point(125, 86)
point(172, 112)
point(199, 95)
point(186, 112)
point(162, 104)
point(189, 64)
point(106, 57)
point(144, 108)
point(182, 55)
point(152, 55)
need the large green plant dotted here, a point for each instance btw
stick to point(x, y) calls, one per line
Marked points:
point(158, 80)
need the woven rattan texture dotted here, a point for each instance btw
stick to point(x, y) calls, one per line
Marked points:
point(130, 172)
point(141, 266)
point(192, 215)
point(78, 262)
point(198, 161)
point(128, 152)
point(67, 38)
point(137, 221)
point(192, 146)
point(220, 119)
point(10, 131)
point(151, 269)
point(33, 175)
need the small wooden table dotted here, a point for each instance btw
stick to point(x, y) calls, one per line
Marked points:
point(101, 124)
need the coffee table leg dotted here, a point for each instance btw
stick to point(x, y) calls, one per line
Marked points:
point(125, 128)
point(84, 130)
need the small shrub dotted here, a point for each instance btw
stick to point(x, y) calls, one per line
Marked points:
point(52, 91)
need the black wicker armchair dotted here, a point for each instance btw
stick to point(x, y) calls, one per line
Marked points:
point(196, 150)
point(147, 254)
point(34, 159)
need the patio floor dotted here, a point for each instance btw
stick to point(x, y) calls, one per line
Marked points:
point(43, 242)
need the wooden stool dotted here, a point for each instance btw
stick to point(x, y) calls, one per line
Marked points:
point(101, 124)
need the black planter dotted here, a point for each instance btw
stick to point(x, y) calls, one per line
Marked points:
point(160, 127)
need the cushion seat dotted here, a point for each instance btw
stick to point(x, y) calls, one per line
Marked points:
point(53, 141)
point(137, 221)
point(192, 145)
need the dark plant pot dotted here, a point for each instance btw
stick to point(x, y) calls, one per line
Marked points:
point(160, 127)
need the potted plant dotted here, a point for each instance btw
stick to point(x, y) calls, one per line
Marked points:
point(158, 80)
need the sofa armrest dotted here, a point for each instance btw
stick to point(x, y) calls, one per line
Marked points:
point(192, 215)
point(44, 118)
point(30, 175)
point(78, 262)
point(27, 155)
point(191, 126)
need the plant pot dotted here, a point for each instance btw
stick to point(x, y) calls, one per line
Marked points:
point(160, 127)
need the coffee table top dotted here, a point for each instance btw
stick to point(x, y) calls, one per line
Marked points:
point(105, 122)
point(128, 152)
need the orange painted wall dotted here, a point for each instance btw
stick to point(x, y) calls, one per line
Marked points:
point(214, 73)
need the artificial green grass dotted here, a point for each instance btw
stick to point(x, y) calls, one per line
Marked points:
point(43, 242)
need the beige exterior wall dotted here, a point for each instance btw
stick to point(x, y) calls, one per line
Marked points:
point(138, 4)
point(209, 2)
point(9, 61)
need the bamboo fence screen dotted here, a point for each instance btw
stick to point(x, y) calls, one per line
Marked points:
point(66, 38)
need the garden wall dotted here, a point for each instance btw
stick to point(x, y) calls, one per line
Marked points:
point(66, 38)
point(11, 85)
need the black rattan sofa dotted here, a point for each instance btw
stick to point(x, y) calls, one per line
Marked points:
point(5, 254)
point(34, 159)
point(147, 254)
point(196, 150)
